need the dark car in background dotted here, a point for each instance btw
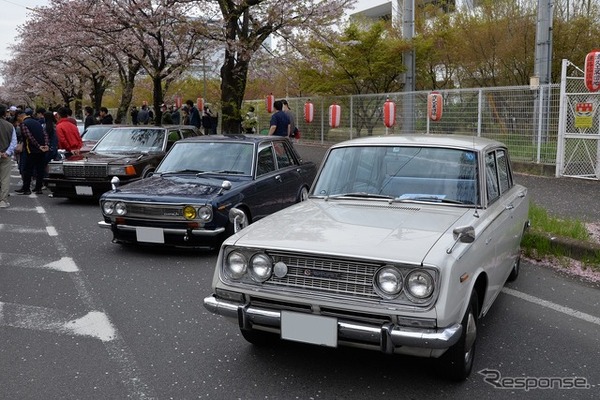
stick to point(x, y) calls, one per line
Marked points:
point(206, 189)
point(92, 135)
point(128, 152)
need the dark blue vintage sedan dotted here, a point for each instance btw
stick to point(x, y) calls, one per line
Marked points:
point(207, 188)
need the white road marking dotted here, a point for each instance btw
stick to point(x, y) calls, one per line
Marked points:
point(40, 210)
point(553, 306)
point(51, 231)
point(94, 324)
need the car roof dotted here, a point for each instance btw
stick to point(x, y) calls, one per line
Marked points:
point(423, 139)
point(236, 138)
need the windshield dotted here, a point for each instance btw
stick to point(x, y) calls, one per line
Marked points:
point(401, 173)
point(95, 132)
point(208, 157)
point(131, 140)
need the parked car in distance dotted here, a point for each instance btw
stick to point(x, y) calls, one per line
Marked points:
point(92, 135)
point(206, 189)
point(128, 152)
point(403, 244)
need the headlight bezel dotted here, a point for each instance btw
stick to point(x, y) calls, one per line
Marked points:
point(410, 292)
point(385, 277)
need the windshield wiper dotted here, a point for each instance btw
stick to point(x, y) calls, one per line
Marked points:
point(181, 171)
point(432, 198)
point(221, 172)
point(362, 195)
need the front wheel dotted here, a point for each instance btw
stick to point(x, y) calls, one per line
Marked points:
point(457, 362)
point(303, 195)
point(515, 270)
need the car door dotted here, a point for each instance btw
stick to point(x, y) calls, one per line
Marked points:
point(502, 200)
point(289, 172)
point(268, 189)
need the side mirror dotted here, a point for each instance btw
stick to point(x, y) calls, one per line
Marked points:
point(115, 183)
point(464, 234)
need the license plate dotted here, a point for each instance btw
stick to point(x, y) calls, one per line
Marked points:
point(149, 235)
point(307, 328)
point(84, 190)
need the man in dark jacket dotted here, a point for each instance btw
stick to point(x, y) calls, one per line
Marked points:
point(105, 117)
point(37, 144)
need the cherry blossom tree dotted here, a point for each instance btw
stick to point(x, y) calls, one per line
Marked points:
point(246, 25)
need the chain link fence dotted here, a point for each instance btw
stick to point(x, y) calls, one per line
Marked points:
point(524, 118)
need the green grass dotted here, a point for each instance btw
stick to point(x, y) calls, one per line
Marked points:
point(537, 242)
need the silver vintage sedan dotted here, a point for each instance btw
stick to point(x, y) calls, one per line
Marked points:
point(403, 245)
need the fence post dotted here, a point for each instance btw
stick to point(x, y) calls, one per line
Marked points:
point(479, 111)
point(560, 152)
point(540, 123)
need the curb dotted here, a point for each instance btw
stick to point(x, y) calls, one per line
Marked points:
point(588, 252)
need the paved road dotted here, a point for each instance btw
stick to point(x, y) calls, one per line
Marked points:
point(562, 197)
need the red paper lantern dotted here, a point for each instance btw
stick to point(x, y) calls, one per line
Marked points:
point(435, 104)
point(389, 113)
point(334, 115)
point(178, 101)
point(269, 102)
point(200, 103)
point(309, 112)
point(592, 71)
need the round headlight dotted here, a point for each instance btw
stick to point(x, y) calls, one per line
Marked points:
point(388, 282)
point(419, 284)
point(120, 208)
point(236, 265)
point(205, 213)
point(189, 212)
point(261, 267)
point(108, 207)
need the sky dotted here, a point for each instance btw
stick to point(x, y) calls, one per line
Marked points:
point(14, 13)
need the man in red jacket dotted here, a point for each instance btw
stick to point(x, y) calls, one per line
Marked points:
point(68, 135)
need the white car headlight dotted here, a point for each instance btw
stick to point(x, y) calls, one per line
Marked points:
point(261, 267)
point(108, 207)
point(388, 282)
point(120, 208)
point(236, 265)
point(205, 213)
point(55, 168)
point(419, 284)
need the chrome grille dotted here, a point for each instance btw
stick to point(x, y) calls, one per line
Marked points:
point(145, 210)
point(346, 277)
point(85, 171)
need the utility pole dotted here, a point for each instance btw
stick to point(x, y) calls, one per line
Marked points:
point(403, 16)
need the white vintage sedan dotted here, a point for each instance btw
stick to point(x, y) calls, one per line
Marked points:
point(404, 243)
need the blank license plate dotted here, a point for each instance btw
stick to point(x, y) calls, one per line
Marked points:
point(83, 190)
point(308, 328)
point(149, 235)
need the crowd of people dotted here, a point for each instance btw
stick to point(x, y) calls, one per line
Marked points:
point(188, 114)
point(33, 138)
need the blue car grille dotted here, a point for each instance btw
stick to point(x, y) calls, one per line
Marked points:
point(346, 277)
point(85, 171)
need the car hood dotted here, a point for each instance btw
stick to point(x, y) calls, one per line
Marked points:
point(174, 188)
point(113, 159)
point(363, 229)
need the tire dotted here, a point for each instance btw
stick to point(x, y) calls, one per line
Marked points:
point(303, 195)
point(259, 338)
point(514, 274)
point(457, 362)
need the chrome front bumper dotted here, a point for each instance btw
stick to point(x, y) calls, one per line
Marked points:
point(194, 232)
point(387, 336)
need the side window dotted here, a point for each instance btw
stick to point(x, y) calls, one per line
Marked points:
point(284, 158)
point(491, 177)
point(503, 171)
point(186, 133)
point(173, 136)
point(266, 162)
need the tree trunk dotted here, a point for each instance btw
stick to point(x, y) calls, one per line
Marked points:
point(127, 95)
point(158, 95)
point(233, 85)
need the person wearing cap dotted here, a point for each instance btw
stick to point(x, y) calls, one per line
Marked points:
point(37, 143)
point(8, 143)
